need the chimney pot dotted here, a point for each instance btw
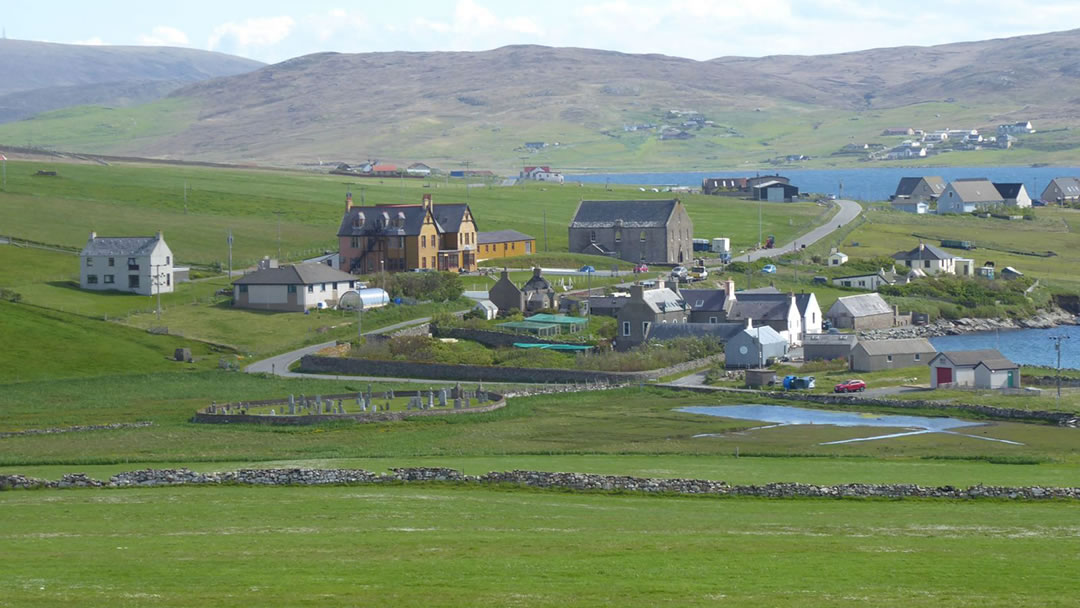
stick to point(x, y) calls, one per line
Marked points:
point(93, 235)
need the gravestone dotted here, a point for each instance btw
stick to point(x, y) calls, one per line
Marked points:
point(292, 409)
point(430, 399)
point(183, 355)
point(457, 404)
point(468, 403)
point(442, 397)
point(272, 413)
point(292, 400)
point(390, 394)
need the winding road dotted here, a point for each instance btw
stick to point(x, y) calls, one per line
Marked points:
point(849, 210)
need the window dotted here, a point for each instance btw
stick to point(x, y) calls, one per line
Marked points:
point(89, 262)
point(335, 285)
point(311, 288)
point(592, 236)
point(506, 246)
point(432, 262)
point(712, 319)
point(642, 237)
point(290, 289)
point(846, 283)
point(110, 279)
point(888, 358)
point(528, 246)
point(243, 288)
point(133, 264)
point(862, 283)
point(618, 236)
point(322, 286)
point(626, 328)
point(168, 280)
point(112, 262)
point(645, 328)
point(352, 284)
point(91, 279)
point(423, 240)
point(133, 281)
point(168, 260)
point(918, 356)
point(423, 262)
point(354, 242)
point(401, 242)
point(926, 263)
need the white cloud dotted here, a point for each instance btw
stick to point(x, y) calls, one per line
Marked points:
point(254, 32)
point(95, 41)
point(328, 25)
point(473, 26)
point(163, 35)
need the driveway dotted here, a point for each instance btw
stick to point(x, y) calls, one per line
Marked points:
point(849, 210)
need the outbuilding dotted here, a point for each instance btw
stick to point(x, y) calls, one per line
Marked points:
point(877, 355)
point(986, 369)
point(755, 347)
point(291, 288)
point(828, 347)
point(865, 311)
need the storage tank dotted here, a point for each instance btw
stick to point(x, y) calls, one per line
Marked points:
point(371, 297)
point(721, 245)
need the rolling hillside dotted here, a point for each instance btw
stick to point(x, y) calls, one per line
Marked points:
point(447, 108)
point(39, 76)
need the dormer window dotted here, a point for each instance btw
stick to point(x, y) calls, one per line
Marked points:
point(358, 221)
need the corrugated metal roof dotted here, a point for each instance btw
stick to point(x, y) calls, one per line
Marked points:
point(664, 300)
point(896, 347)
point(862, 305)
point(970, 358)
point(631, 214)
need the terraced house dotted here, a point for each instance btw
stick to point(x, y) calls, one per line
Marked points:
point(397, 238)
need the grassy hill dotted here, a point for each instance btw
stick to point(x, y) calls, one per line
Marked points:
point(448, 108)
point(41, 76)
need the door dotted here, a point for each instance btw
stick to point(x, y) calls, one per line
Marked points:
point(1012, 380)
point(944, 375)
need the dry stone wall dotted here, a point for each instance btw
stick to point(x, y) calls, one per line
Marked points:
point(536, 479)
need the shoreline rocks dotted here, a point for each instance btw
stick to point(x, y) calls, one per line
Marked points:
point(1043, 320)
point(582, 482)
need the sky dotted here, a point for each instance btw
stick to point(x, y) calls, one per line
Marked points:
point(275, 30)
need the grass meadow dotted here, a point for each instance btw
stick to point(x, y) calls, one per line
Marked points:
point(453, 546)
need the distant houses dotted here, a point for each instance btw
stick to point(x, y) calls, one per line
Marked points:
point(1062, 190)
point(924, 188)
point(541, 174)
point(927, 258)
point(757, 186)
point(968, 195)
point(141, 264)
point(296, 287)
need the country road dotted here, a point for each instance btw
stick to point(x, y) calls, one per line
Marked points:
point(849, 210)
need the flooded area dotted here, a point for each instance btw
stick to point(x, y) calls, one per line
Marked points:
point(783, 415)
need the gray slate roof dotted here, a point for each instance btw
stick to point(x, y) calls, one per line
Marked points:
point(923, 252)
point(907, 185)
point(669, 331)
point(896, 347)
point(862, 305)
point(759, 310)
point(120, 246)
point(802, 300)
point(1069, 185)
point(501, 236)
point(976, 190)
point(708, 300)
point(375, 223)
point(829, 339)
point(298, 274)
point(632, 214)
point(450, 216)
point(663, 299)
point(992, 358)
point(1009, 190)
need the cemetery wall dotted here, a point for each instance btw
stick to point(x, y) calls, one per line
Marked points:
point(483, 373)
point(489, 338)
point(205, 416)
point(536, 479)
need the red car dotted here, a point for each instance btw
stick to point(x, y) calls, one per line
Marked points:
point(641, 268)
point(850, 386)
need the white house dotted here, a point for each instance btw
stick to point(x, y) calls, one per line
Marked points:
point(968, 195)
point(928, 258)
point(986, 369)
point(837, 258)
point(418, 169)
point(141, 264)
point(542, 174)
point(1015, 194)
point(869, 282)
point(291, 288)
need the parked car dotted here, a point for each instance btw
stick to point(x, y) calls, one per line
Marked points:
point(679, 273)
point(850, 386)
point(1038, 203)
point(769, 269)
point(794, 383)
point(642, 267)
point(587, 268)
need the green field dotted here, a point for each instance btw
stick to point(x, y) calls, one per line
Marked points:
point(436, 546)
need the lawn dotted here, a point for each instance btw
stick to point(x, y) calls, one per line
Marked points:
point(453, 546)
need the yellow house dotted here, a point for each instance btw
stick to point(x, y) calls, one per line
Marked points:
point(503, 244)
point(396, 238)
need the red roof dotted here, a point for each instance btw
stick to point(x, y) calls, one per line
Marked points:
point(382, 168)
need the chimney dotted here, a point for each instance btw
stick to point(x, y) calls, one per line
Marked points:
point(427, 201)
point(536, 270)
point(93, 235)
point(160, 236)
point(749, 323)
point(348, 201)
point(637, 292)
point(729, 290)
point(506, 274)
point(922, 246)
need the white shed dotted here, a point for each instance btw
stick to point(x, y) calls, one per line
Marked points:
point(488, 308)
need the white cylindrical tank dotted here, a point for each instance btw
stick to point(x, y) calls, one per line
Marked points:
point(371, 297)
point(721, 245)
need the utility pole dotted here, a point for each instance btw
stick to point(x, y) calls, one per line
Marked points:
point(229, 240)
point(185, 197)
point(278, 214)
point(760, 241)
point(545, 231)
point(156, 282)
point(1057, 347)
point(466, 181)
point(3, 161)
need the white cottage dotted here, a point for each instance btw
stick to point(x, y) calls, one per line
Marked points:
point(987, 369)
point(140, 264)
point(291, 288)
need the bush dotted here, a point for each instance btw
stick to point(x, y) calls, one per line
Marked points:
point(970, 297)
point(10, 295)
point(434, 286)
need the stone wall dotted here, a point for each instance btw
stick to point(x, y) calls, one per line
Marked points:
point(205, 417)
point(536, 479)
point(490, 338)
point(481, 373)
point(998, 413)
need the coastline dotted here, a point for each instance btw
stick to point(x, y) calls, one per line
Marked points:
point(1043, 320)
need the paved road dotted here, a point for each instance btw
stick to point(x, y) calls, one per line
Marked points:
point(849, 210)
point(279, 365)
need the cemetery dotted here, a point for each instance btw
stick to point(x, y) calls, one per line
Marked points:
point(364, 406)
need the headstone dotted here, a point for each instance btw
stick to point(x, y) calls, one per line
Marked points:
point(359, 399)
point(272, 413)
point(292, 400)
point(442, 397)
point(457, 391)
point(292, 409)
point(363, 406)
point(390, 394)
point(430, 399)
point(457, 404)
point(183, 355)
point(468, 404)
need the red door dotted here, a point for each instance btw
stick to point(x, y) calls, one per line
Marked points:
point(944, 375)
